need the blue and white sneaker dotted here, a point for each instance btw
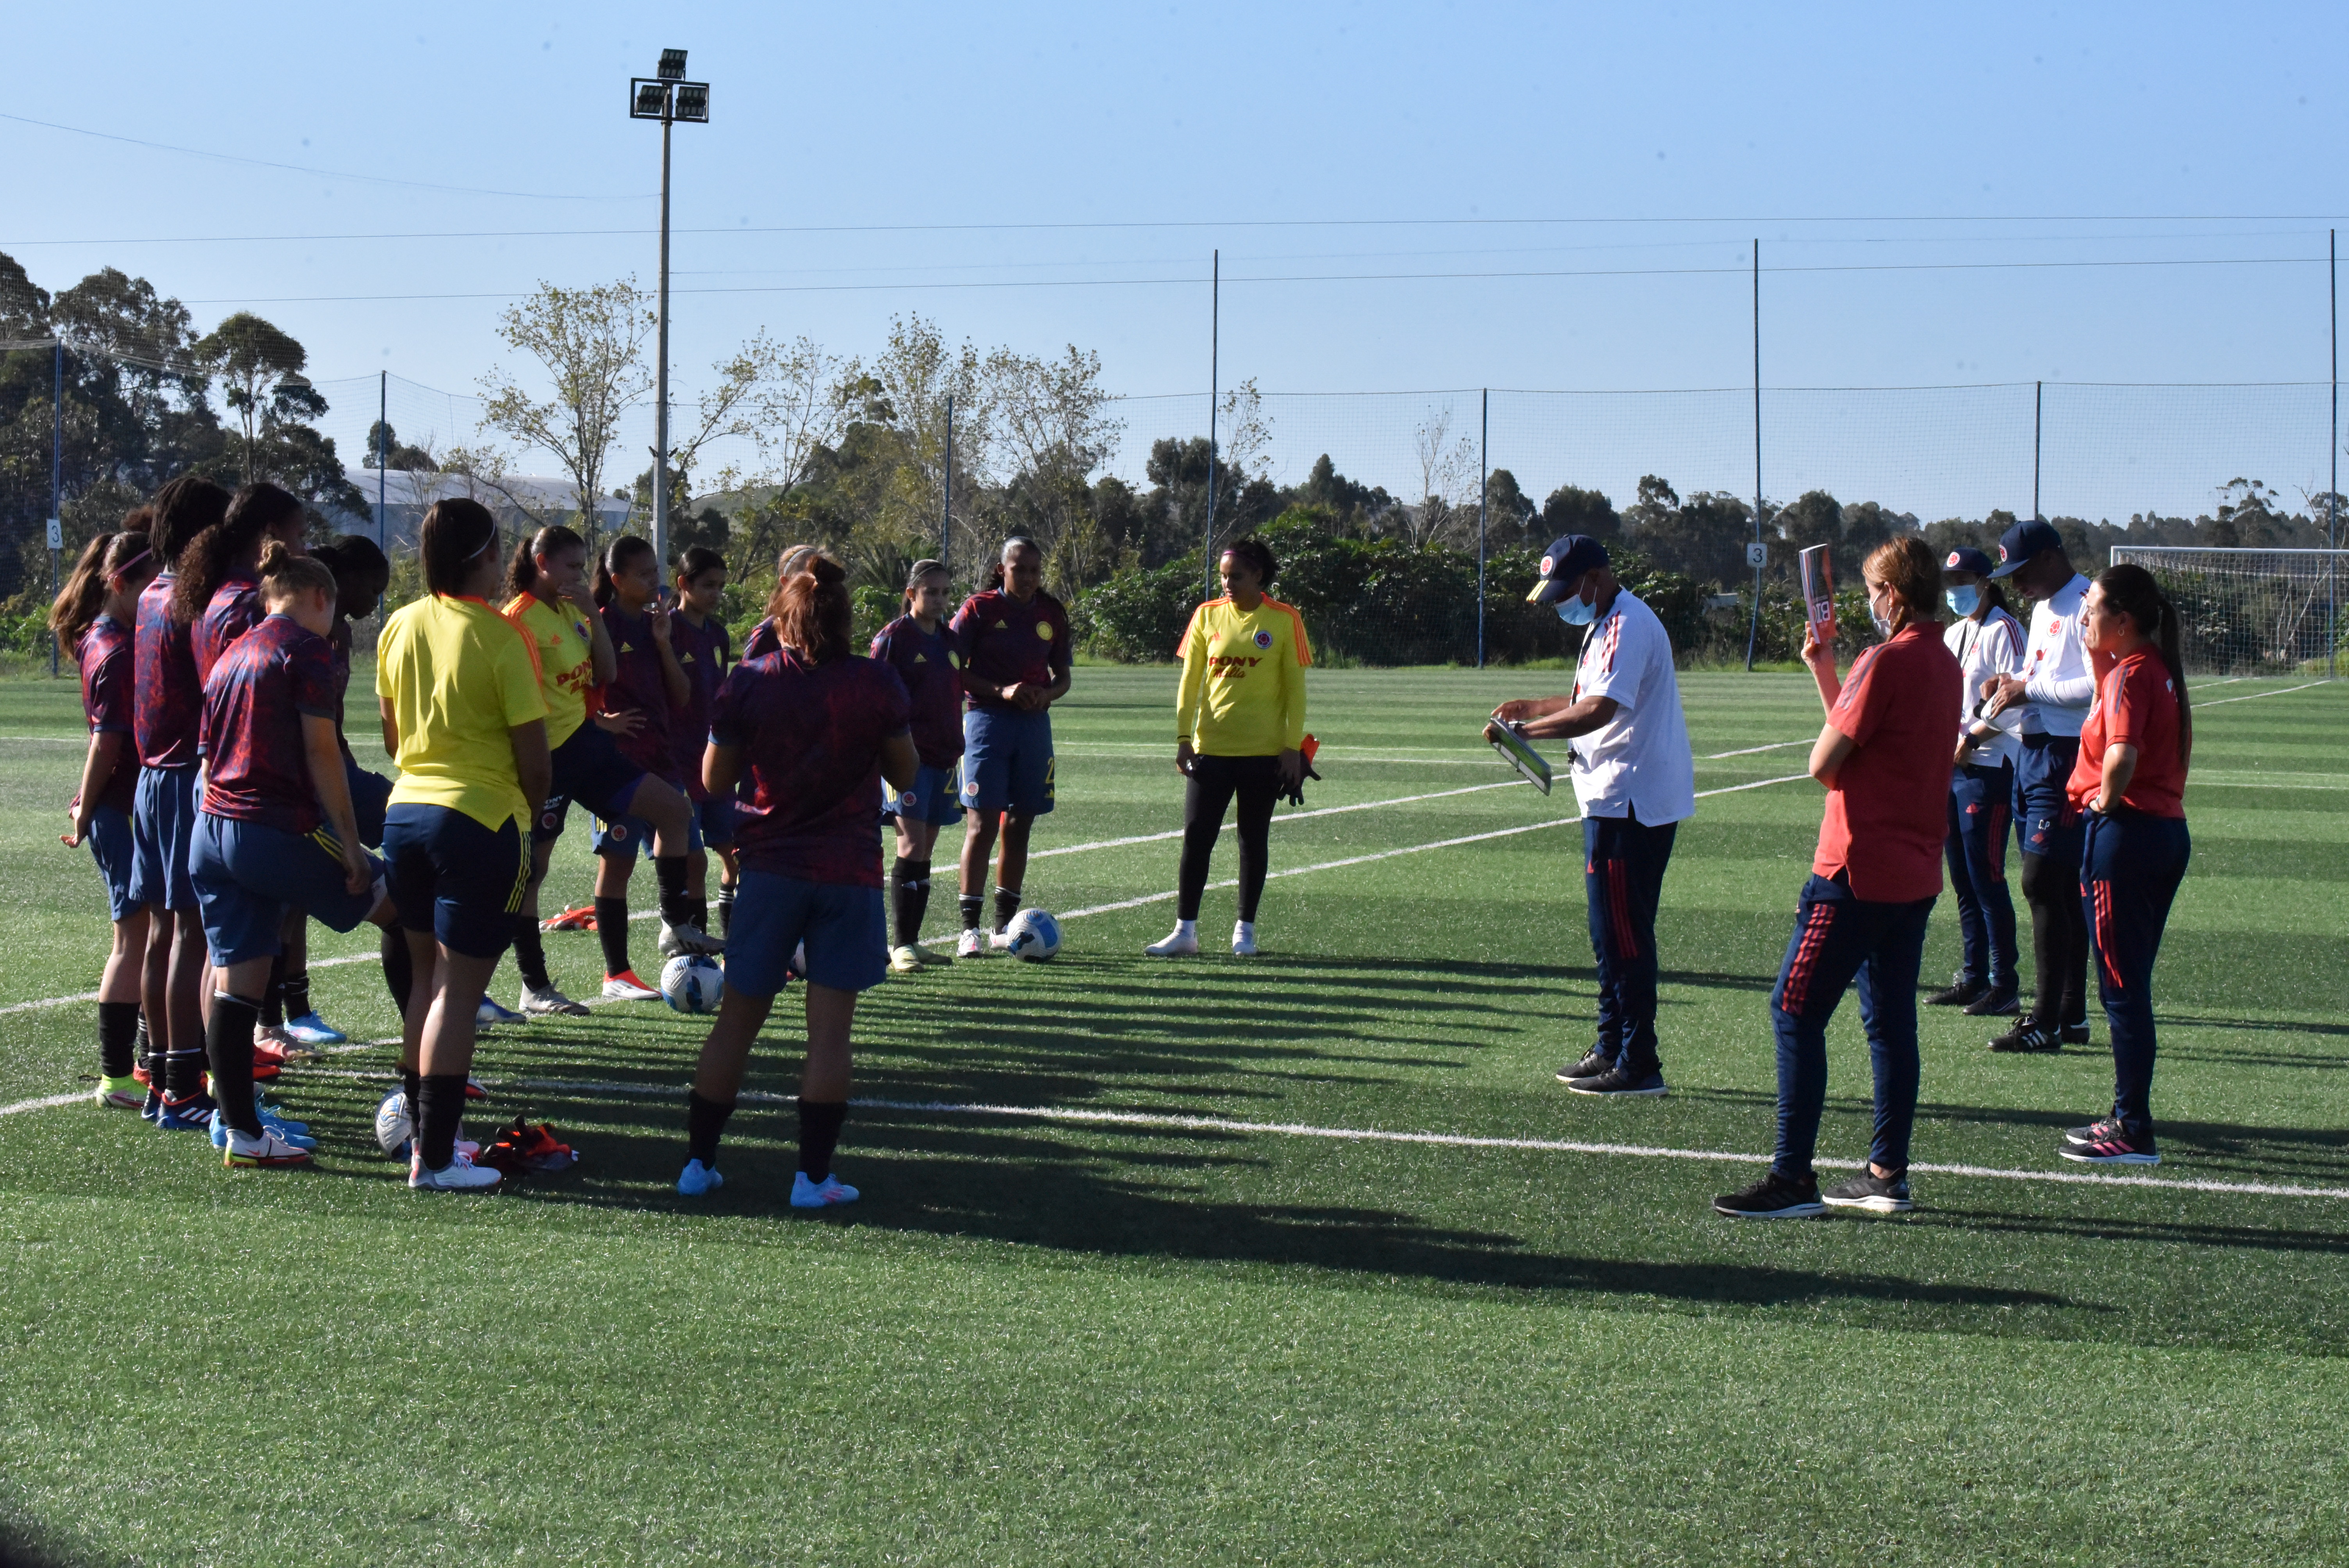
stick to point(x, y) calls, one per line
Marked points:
point(193, 1114)
point(830, 1192)
point(154, 1106)
point(489, 1013)
point(310, 1029)
point(296, 1133)
point(700, 1178)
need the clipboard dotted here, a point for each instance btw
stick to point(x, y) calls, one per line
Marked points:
point(1519, 754)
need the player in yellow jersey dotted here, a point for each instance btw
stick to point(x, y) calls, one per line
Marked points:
point(1239, 721)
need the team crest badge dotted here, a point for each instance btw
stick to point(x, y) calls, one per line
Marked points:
point(1044, 630)
point(1952, 562)
point(1263, 639)
point(1549, 563)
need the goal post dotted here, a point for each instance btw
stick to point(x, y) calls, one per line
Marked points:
point(2250, 611)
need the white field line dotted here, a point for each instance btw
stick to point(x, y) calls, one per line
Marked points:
point(1173, 1122)
point(1750, 750)
point(45, 1102)
point(49, 739)
point(2255, 696)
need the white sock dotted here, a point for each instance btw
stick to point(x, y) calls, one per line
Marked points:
point(1244, 928)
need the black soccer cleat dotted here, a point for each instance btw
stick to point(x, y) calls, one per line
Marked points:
point(1616, 1081)
point(1960, 991)
point(1996, 1002)
point(1591, 1066)
point(2074, 1033)
point(2096, 1131)
point(2120, 1147)
point(2027, 1038)
point(1868, 1190)
point(1773, 1198)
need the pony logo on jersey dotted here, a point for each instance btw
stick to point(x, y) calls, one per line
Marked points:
point(1263, 639)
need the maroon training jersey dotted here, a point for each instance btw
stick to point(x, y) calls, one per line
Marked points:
point(931, 666)
point(1004, 643)
point(811, 736)
point(235, 609)
point(171, 699)
point(256, 769)
point(636, 685)
point(1888, 810)
point(703, 652)
point(110, 698)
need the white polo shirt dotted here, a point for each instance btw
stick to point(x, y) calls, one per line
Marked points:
point(2058, 683)
point(1990, 646)
point(1638, 763)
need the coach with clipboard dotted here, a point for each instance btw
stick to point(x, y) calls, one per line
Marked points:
point(1635, 780)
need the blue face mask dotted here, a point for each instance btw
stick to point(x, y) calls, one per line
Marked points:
point(1577, 612)
point(1962, 600)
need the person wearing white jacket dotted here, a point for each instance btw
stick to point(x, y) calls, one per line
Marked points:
point(2054, 690)
point(1987, 642)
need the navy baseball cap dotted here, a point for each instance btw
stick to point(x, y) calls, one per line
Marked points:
point(2023, 541)
point(1966, 558)
point(1569, 555)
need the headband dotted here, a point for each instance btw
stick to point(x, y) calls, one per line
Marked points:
point(132, 562)
point(493, 539)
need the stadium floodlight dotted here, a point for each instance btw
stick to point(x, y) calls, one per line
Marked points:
point(667, 98)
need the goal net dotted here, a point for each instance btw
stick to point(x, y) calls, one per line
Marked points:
point(2252, 612)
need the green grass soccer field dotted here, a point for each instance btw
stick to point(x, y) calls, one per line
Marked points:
point(1230, 1327)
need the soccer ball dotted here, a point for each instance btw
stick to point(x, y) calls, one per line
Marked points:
point(1034, 934)
point(691, 983)
point(394, 1126)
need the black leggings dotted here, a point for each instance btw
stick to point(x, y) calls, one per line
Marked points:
point(1212, 783)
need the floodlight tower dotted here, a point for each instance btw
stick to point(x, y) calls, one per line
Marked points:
point(667, 98)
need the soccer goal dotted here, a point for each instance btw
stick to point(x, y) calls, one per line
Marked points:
point(2252, 612)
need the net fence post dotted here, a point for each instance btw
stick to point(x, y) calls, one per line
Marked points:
point(2038, 406)
point(1214, 344)
point(1483, 497)
point(2333, 463)
point(1754, 625)
point(946, 496)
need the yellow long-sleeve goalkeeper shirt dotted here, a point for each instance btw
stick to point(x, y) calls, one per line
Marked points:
point(1243, 691)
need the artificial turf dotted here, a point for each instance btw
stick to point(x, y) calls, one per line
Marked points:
point(1048, 1341)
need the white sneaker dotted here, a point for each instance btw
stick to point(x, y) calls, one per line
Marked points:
point(1182, 943)
point(996, 941)
point(459, 1175)
point(628, 988)
point(1243, 939)
point(550, 1003)
point(269, 1148)
point(906, 960)
point(831, 1191)
point(700, 1178)
point(676, 940)
point(970, 944)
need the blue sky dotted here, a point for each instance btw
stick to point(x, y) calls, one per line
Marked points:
point(858, 156)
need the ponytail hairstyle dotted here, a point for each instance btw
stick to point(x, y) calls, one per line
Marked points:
point(185, 508)
point(614, 559)
point(84, 595)
point(811, 610)
point(998, 576)
point(697, 560)
point(2137, 594)
point(1908, 567)
point(455, 532)
point(918, 570)
point(522, 572)
point(284, 574)
point(1993, 593)
point(205, 563)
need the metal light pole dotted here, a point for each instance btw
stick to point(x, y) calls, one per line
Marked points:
point(946, 498)
point(56, 486)
point(382, 459)
point(1754, 627)
point(667, 98)
point(1214, 347)
point(1484, 493)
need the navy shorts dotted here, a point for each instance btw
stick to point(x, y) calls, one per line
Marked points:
point(2045, 820)
point(714, 820)
point(370, 798)
point(588, 769)
point(847, 941)
point(248, 874)
point(931, 800)
point(1007, 761)
point(454, 878)
point(112, 845)
point(624, 838)
point(162, 820)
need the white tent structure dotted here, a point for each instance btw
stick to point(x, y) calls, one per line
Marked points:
point(516, 499)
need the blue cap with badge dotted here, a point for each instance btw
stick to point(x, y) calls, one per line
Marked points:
point(1966, 558)
point(1562, 565)
point(2026, 538)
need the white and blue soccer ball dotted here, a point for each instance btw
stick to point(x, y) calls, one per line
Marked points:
point(1034, 934)
point(691, 983)
point(394, 1125)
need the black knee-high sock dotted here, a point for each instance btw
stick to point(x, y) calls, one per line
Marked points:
point(529, 952)
point(143, 1051)
point(972, 903)
point(910, 881)
point(411, 1084)
point(818, 1135)
point(725, 909)
point(443, 1105)
point(117, 1033)
point(701, 913)
point(705, 1119)
point(227, 1043)
point(670, 873)
point(273, 1000)
point(297, 999)
point(612, 931)
point(183, 1074)
point(1006, 905)
point(398, 968)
